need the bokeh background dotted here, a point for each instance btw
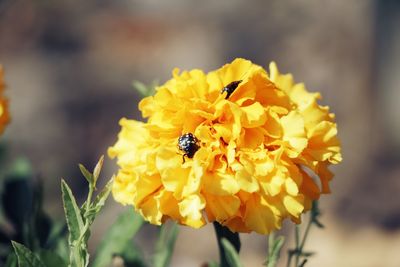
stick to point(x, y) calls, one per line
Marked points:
point(70, 65)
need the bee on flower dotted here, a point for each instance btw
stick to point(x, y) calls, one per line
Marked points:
point(246, 137)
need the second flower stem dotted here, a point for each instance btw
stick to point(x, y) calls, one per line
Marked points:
point(224, 232)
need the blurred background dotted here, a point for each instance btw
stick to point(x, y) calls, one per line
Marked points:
point(69, 66)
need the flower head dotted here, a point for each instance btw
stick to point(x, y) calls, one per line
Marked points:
point(254, 143)
point(4, 115)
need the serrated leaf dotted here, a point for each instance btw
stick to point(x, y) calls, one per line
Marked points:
point(97, 169)
point(231, 255)
point(26, 257)
point(72, 213)
point(86, 174)
point(118, 237)
point(165, 245)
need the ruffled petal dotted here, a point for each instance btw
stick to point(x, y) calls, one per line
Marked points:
point(246, 156)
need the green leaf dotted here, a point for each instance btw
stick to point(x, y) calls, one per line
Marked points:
point(99, 202)
point(133, 256)
point(57, 232)
point(141, 88)
point(103, 195)
point(72, 213)
point(118, 237)
point(97, 170)
point(61, 248)
point(89, 177)
point(231, 254)
point(11, 260)
point(165, 245)
point(26, 257)
point(21, 168)
point(50, 258)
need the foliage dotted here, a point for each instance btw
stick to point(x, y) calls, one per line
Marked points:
point(65, 244)
point(21, 206)
point(117, 241)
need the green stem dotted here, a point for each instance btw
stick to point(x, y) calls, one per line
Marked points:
point(303, 242)
point(274, 248)
point(299, 246)
point(223, 232)
point(89, 198)
point(289, 259)
point(76, 251)
point(271, 240)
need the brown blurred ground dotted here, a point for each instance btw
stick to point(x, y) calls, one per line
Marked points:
point(69, 66)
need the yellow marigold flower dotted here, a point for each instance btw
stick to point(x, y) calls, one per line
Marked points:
point(4, 115)
point(236, 145)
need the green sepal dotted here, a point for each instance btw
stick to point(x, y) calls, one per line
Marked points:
point(97, 170)
point(89, 177)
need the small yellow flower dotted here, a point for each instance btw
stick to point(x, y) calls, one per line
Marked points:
point(4, 115)
point(236, 145)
